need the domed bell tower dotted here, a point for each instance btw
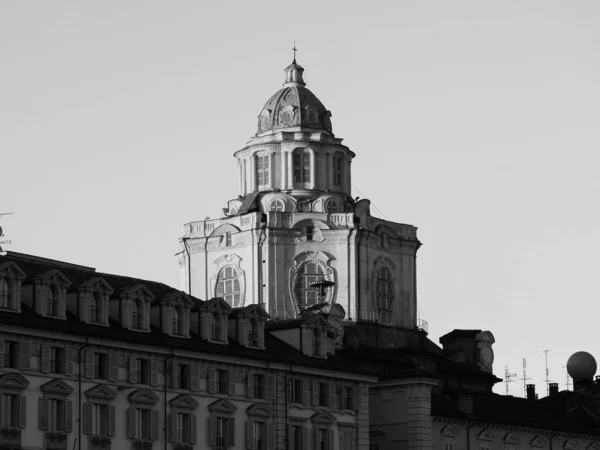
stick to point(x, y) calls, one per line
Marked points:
point(294, 237)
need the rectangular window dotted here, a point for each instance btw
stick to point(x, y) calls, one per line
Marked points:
point(222, 382)
point(337, 171)
point(346, 440)
point(375, 446)
point(183, 423)
point(142, 423)
point(301, 168)
point(100, 420)
point(259, 386)
point(228, 239)
point(9, 412)
point(144, 371)
point(57, 360)
point(262, 171)
point(347, 397)
point(101, 366)
point(56, 415)
point(323, 394)
point(184, 376)
point(297, 391)
point(448, 445)
point(11, 356)
point(296, 437)
point(260, 435)
point(310, 231)
point(322, 441)
point(224, 432)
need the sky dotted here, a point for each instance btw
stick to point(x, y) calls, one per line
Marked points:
point(475, 121)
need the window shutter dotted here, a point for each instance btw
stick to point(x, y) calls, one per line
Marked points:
point(343, 438)
point(194, 377)
point(113, 369)
point(212, 431)
point(23, 412)
point(43, 410)
point(250, 435)
point(357, 398)
point(89, 364)
point(270, 387)
point(111, 420)
point(304, 439)
point(290, 437)
point(332, 395)
point(306, 392)
point(270, 436)
point(131, 428)
point(175, 375)
point(68, 416)
point(172, 427)
point(341, 396)
point(69, 357)
point(329, 440)
point(133, 375)
point(154, 425)
point(212, 381)
point(154, 372)
point(250, 385)
point(45, 366)
point(88, 417)
point(2, 350)
point(25, 355)
point(193, 421)
point(231, 380)
point(316, 437)
point(231, 432)
point(315, 393)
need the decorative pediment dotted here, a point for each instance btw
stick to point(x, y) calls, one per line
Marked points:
point(570, 444)
point(178, 298)
point(511, 439)
point(225, 228)
point(183, 401)
point(260, 410)
point(593, 446)
point(216, 304)
point(96, 284)
point(11, 269)
point(143, 396)
point(485, 435)
point(253, 310)
point(54, 276)
point(323, 418)
point(222, 406)
point(13, 381)
point(101, 391)
point(538, 441)
point(138, 290)
point(449, 431)
point(56, 387)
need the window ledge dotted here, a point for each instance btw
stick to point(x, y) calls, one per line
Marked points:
point(10, 310)
point(212, 341)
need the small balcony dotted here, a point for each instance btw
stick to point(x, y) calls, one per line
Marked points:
point(10, 437)
point(99, 443)
point(56, 440)
point(141, 445)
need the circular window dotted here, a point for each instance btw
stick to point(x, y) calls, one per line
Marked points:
point(331, 207)
point(287, 117)
point(277, 205)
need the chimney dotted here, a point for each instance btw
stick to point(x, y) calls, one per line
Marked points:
point(553, 389)
point(531, 392)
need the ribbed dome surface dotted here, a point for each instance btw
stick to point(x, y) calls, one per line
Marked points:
point(294, 106)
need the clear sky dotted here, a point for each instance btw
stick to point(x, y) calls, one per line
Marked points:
point(475, 121)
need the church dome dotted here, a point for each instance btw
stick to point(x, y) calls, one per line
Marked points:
point(294, 106)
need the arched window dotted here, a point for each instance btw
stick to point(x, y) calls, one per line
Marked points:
point(52, 294)
point(308, 274)
point(216, 327)
point(253, 340)
point(316, 342)
point(228, 286)
point(331, 207)
point(6, 292)
point(277, 205)
point(177, 320)
point(137, 318)
point(95, 308)
point(384, 294)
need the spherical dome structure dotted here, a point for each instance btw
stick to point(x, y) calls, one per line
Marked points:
point(581, 366)
point(294, 106)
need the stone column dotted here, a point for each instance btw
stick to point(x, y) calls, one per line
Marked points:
point(254, 173)
point(418, 398)
point(290, 179)
point(244, 185)
point(313, 172)
point(273, 182)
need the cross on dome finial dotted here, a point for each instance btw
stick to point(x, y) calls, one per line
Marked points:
point(295, 50)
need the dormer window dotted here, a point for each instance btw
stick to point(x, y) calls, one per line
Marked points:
point(96, 308)
point(52, 301)
point(177, 320)
point(317, 342)
point(137, 315)
point(217, 327)
point(7, 289)
point(253, 336)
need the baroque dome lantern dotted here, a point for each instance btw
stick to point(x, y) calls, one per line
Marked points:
point(294, 107)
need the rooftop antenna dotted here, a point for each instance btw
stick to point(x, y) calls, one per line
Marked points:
point(295, 50)
point(525, 378)
point(568, 378)
point(547, 373)
point(2, 252)
point(508, 377)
